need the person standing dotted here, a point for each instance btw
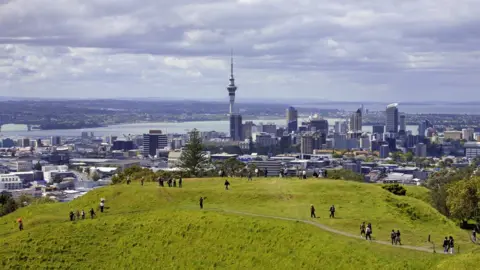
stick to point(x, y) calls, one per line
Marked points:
point(180, 182)
point(201, 202)
point(304, 173)
point(250, 176)
point(265, 173)
point(226, 184)
point(312, 211)
point(83, 214)
point(78, 215)
point(20, 224)
point(92, 213)
point(174, 183)
point(102, 205)
point(142, 181)
point(257, 173)
point(397, 238)
point(451, 244)
point(446, 245)
point(474, 235)
point(362, 229)
point(393, 236)
point(332, 211)
point(368, 233)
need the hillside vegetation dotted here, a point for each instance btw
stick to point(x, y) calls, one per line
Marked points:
point(152, 227)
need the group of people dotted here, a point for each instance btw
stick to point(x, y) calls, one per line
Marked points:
point(366, 231)
point(395, 237)
point(448, 245)
point(81, 215)
point(171, 182)
point(313, 215)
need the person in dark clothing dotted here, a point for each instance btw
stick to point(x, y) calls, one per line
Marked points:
point(368, 232)
point(315, 174)
point(325, 174)
point(92, 213)
point(180, 182)
point(249, 176)
point(83, 214)
point(142, 181)
point(159, 180)
point(451, 244)
point(474, 235)
point(20, 224)
point(102, 205)
point(128, 180)
point(362, 229)
point(393, 236)
point(446, 245)
point(78, 215)
point(201, 202)
point(332, 211)
point(174, 183)
point(72, 216)
point(397, 238)
point(312, 211)
point(226, 184)
point(265, 173)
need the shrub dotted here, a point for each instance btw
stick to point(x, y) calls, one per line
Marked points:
point(395, 189)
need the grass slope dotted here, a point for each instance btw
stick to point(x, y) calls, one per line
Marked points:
point(152, 227)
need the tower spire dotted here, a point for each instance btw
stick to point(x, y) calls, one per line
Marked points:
point(231, 87)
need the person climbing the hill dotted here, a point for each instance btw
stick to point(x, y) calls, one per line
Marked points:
point(20, 224)
point(83, 214)
point(446, 245)
point(102, 205)
point(474, 235)
point(393, 236)
point(312, 211)
point(78, 215)
point(180, 182)
point(332, 211)
point(451, 244)
point(226, 184)
point(368, 232)
point(362, 229)
point(201, 202)
point(398, 241)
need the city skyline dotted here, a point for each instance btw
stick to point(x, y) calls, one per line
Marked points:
point(348, 51)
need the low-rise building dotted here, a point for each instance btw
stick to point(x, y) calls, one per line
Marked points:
point(10, 182)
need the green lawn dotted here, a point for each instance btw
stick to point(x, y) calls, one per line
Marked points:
point(151, 227)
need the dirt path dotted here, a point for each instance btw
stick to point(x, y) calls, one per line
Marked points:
point(323, 227)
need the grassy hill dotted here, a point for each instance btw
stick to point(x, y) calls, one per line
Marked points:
point(152, 227)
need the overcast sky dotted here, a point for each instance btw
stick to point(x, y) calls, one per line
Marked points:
point(352, 50)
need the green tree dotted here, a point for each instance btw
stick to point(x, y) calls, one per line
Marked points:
point(193, 158)
point(463, 199)
point(408, 156)
point(95, 176)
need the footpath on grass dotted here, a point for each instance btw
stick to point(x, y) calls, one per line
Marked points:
point(323, 227)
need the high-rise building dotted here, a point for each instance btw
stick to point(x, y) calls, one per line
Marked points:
point(236, 132)
point(232, 88)
point(403, 124)
point(356, 121)
point(153, 141)
point(384, 151)
point(292, 119)
point(270, 128)
point(391, 124)
point(421, 150)
point(306, 144)
point(318, 124)
point(378, 129)
point(247, 129)
point(24, 142)
point(467, 134)
point(55, 140)
point(340, 127)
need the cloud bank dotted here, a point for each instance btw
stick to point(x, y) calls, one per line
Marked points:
point(380, 50)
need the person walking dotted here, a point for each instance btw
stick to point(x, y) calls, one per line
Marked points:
point(102, 205)
point(312, 211)
point(83, 214)
point(304, 173)
point(257, 173)
point(397, 238)
point(362, 229)
point(451, 244)
point(180, 182)
point(446, 245)
point(201, 202)
point(174, 183)
point(142, 181)
point(78, 215)
point(332, 211)
point(128, 180)
point(265, 173)
point(474, 235)
point(250, 176)
point(92, 213)
point(226, 184)
point(368, 233)
point(393, 236)
point(71, 215)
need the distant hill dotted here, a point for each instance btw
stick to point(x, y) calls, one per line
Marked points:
point(148, 227)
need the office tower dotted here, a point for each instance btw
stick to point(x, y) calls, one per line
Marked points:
point(340, 127)
point(236, 133)
point(306, 144)
point(269, 128)
point(84, 135)
point(55, 140)
point(247, 129)
point(356, 121)
point(421, 150)
point(292, 119)
point(24, 142)
point(318, 124)
point(467, 134)
point(422, 128)
point(392, 118)
point(403, 125)
point(384, 151)
point(153, 141)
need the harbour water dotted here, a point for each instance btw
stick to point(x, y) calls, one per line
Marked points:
point(140, 128)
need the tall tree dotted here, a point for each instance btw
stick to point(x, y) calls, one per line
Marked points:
point(193, 158)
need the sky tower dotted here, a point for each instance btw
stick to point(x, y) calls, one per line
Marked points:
point(231, 87)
